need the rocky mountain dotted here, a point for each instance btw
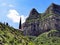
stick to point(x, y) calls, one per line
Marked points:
point(33, 14)
point(38, 23)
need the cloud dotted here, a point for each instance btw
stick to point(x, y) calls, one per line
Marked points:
point(15, 17)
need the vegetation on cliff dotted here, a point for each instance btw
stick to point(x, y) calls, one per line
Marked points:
point(48, 38)
point(11, 36)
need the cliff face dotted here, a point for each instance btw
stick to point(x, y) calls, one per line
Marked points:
point(38, 23)
point(33, 14)
point(53, 9)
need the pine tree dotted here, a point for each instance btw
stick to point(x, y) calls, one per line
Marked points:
point(20, 23)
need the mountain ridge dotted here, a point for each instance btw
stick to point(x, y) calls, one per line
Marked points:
point(41, 30)
point(44, 22)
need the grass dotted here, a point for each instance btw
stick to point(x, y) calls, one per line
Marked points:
point(45, 39)
point(11, 36)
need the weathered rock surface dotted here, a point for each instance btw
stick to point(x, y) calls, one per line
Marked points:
point(33, 14)
point(37, 23)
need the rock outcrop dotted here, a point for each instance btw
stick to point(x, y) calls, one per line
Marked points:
point(38, 23)
point(53, 9)
point(33, 14)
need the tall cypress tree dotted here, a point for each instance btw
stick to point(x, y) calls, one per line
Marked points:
point(20, 23)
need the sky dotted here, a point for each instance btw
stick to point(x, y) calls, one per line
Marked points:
point(12, 10)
